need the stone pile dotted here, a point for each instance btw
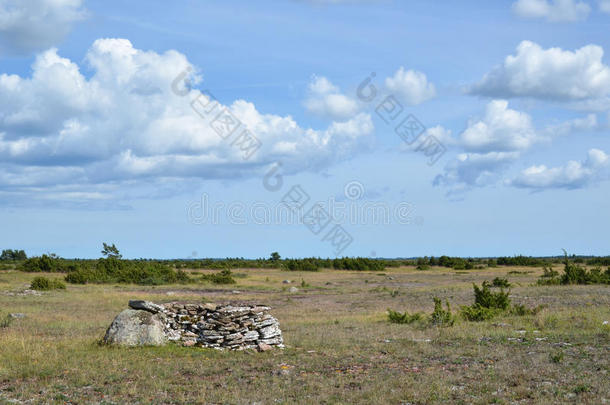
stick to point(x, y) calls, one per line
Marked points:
point(228, 326)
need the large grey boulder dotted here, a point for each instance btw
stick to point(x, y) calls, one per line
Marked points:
point(136, 328)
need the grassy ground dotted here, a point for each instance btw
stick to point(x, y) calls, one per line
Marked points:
point(340, 347)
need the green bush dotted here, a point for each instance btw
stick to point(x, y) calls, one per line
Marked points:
point(301, 265)
point(115, 270)
point(500, 282)
point(488, 304)
point(574, 274)
point(44, 284)
point(406, 318)
point(45, 264)
point(485, 298)
point(440, 316)
point(5, 320)
point(223, 277)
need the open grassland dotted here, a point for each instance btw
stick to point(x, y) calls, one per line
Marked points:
point(340, 346)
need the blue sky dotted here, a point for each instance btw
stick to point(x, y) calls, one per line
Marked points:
point(96, 145)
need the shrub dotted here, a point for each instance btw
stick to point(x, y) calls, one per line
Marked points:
point(223, 277)
point(440, 316)
point(114, 270)
point(301, 265)
point(477, 313)
point(500, 282)
point(5, 320)
point(77, 277)
point(574, 274)
point(44, 284)
point(44, 264)
point(548, 272)
point(485, 298)
point(403, 318)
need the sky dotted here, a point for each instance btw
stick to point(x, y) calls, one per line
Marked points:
point(322, 128)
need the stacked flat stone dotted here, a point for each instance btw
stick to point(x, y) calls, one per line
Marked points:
point(229, 326)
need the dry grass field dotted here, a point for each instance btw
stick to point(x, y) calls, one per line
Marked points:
point(340, 346)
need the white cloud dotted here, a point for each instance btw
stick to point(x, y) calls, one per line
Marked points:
point(326, 101)
point(588, 123)
point(548, 74)
point(410, 86)
point(32, 25)
point(553, 10)
point(501, 130)
point(495, 142)
point(58, 127)
point(475, 169)
point(604, 6)
point(570, 176)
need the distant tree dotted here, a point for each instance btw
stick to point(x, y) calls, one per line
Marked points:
point(9, 254)
point(111, 251)
point(275, 256)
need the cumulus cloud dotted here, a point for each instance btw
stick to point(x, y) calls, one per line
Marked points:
point(325, 100)
point(495, 142)
point(501, 130)
point(548, 74)
point(553, 10)
point(475, 169)
point(32, 25)
point(125, 122)
point(570, 176)
point(410, 86)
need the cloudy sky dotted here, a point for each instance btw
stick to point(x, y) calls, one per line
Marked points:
point(327, 127)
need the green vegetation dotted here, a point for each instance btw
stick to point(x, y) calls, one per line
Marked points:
point(440, 316)
point(113, 270)
point(574, 274)
point(223, 277)
point(404, 318)
point(5, 320)
point(48, 264)
point(10, 254)
point(301, 265)
point(44, 284)
point(500, 282)
point(488, 304)
point(340, 346)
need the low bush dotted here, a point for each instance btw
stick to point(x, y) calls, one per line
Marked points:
point(500, 282)
point(223, 277)
point(114, 270)
point(45, 284)
point(47, 264)
point(440, 316)
point(403, 318)
point(488, 304)
point(485, 298)
point(301, 265)
point(574, 274)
